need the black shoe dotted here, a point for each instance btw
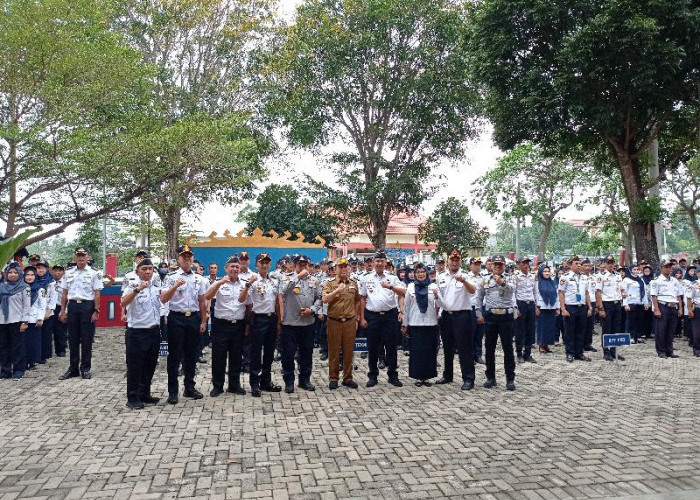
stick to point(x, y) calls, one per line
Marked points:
point(583, 358)
point(135, 405)
point(307, 386)
point(193, 393)
point(662, 356)
point(150, 400)
point(381, 365)
point(201, 360)
point(406, 352)
point(363, 355)
point(278, 356)
point(588, 348)
point(607, 356)
point(61, 354)
point(43, 361)
point(245, 368)
point(236, 390)
point(467, 386)
point(333, 384)
point(86, 375)
point(289, 389)
point(674, 356)
point(620, 357)
point(442, 381)
point(530, 359)
point(69, 374)
point(271, 387)
point(569, 358)
point(640, 341)
point(481, 361)
point(490, 383)
point(591, 349)
point(172, 399)
point(215, 392)
point(351, 384)
point(510, 386)
point(520, 359)
point(324, 356)
point(395, 382)
point(256, 392)
point(371, 382)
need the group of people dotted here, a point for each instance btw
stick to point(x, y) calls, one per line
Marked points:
point(247, 315)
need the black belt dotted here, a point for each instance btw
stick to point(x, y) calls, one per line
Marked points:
point(185, 313)
point(381, 313)
point(612, 302)
point(80, 301)
point(341, 320)
point(267, 315)
point(575, 305)
point(673, 305)
point(456, 312)
point(526, 301)
point(231, 321)
point(500, 311)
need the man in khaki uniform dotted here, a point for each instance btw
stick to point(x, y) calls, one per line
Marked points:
point(343, 299)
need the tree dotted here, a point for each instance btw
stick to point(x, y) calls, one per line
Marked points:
point(202, 131)
point(527, 183)
point(389, 78)
point(71, 94)
point(451, 226)
point(685, 186)
point(576, 74)
point(283, 208)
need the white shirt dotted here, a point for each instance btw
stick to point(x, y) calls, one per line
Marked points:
point(38, 308)
point(610, 286)
point(19, 310)
point(379, 299)
point(525, 285)
point(186, 298)
point(541, 304)
point(227, 306)
point(664, 289)
point(631, 288)
point(144, 310)
point(82, 283)
point(575, 287)
point(263, 294)
point(453, 293)
point(692, 292)
point(476, 279)
point(411, 313)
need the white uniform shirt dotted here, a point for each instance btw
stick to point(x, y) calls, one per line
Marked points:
point(412, 315)
point(476, 280)
point(664, 289)
point(631, 288)
point(453, 293)
point(19, 308)
point(379, 299)
point(263, 294)
point(525, 286)
point(575, 287)
point(227, 305)
point(37, 310)
point(82, 283)
point(58, 291)
point(540, 303)
point(692, 292)
point(144, 310)
point(186, 298)
point(610, 286)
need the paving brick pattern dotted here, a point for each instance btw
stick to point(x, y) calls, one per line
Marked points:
point(581, 430)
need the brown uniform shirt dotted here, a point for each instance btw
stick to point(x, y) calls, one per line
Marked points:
point(344, 304)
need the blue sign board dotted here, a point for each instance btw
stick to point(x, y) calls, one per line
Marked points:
point(163, 351)
point(616, 339)
point(361, 345)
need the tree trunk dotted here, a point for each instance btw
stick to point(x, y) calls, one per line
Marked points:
point(694, 225)
point(547, 229)
point(378, 234)
point(643, 232)
point(171, 221)
point(12, 174)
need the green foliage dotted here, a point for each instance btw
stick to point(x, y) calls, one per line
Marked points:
point(649, 210)
point(283, 208)
point(451, 226)
point(563, 239)
point(9, 246)
point(386, 76)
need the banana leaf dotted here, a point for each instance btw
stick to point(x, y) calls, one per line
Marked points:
point(9, 246)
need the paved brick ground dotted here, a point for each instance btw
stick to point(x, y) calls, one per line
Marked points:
point(582, 430)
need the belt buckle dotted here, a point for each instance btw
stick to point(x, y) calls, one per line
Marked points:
point(498, 311)
point(269, 315)
point(343, 320)
point(188, 314)
point(381, 313)
point(78, 301)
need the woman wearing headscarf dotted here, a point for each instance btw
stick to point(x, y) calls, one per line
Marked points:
point(635, 302)
point(692, 302)
point(32, 337)
point(547, 308)
point(46, 281)
point(647, 316)
point(15, 305)
point(683, 319)
point(420, 320)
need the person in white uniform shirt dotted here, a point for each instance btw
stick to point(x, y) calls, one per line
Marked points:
point(665, 301)
point(15, 306)
point(141, 301)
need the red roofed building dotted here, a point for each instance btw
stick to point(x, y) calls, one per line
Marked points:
point(402, 233)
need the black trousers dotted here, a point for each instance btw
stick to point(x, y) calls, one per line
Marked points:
point(47, 337)
point(525, 328)
point(227, 344)
point(665, 329)
point(183, 344)
point(12, 362)
point(695, 323)
point(81, 333)
point(478, 330)
point(381, 331)
point(574, 330)
point(60, 333)
point(499, 326)
point(263, 335)
point(611, 323)
point(456, 331)
point(588, 332)
point(142, 346)
point(634, 321)
point(293, 338)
